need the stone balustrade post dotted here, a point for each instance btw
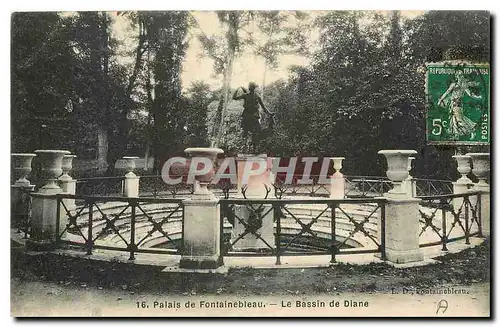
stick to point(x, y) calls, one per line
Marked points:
point(201, 230)
point(337, 182)
point(481, 169)
point(256, 186)
point(67, 183)
point(131, 181)
point(21, 163)
point(463, 184)
point(44, 206)
point(402, 225)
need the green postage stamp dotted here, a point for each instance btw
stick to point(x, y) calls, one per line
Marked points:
point(458, 103)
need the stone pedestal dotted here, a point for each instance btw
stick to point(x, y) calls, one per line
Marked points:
point(485, 207)
point(131, 185)
point(131, 181)
point(19, 203)
point(68, 185)
point(463, 184)
point(337, 182)
point(481, 168)
point(201, 230)
point(201, 239)
point(401, 230)
point(44, 204)
point(44, 220)
point(402, 215)
point(66, 182)
point(256, 186)
point(461, 187)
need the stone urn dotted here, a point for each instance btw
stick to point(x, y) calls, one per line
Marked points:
point(463, 167)
point(337, 163)
point(51, 161)
point(22, 167)
point(202, 180)
point(130, 165)
point(480, 166)
point(397, 169)
point(67, 165)
point(410, 162)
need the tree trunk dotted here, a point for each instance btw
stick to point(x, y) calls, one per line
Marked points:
point(122, 137)
point(102, 147)
point(225, 97)
point(233, 43)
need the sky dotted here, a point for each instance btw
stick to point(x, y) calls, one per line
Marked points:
point(247, 67)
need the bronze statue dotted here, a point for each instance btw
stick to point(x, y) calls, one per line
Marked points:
point(250, 117)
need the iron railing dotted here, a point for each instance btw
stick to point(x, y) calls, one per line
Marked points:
point(298, 188)
point(334, 228)
point(355, 187)
point(154, 186)
point(21, 213)
point(130, 222)
point(429, 187)
point(366, 186)
point(448, 218)
point(106, 186)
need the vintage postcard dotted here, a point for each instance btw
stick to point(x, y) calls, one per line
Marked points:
point(250, 163)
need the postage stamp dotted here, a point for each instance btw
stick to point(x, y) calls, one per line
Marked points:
point(250, 163)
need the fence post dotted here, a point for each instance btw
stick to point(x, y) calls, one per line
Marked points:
point(131, 181)
point(201, 240)
point(337, 182)
point(258, 185)
point(67, 183)
point(19, 198)
point(44, 207)
point(481, 168)
point(402, 223)
point(463, 183)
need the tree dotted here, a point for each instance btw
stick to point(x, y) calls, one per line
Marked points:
point(223, 50)
point(41, 74)
point(167, 37)
point(199, 97)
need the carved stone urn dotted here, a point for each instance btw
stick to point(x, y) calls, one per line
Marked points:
point(410, 161)
point(198, 157)
point(397, 169)
point(463, 167)
point(22, 167)
point(337, 163)
point(67, 165)
point(130, 166)
point(51, 161)
point(480, 166)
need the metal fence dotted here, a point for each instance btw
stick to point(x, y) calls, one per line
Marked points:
point(369, 186)
point(428, 187)
point(354, 187)
point(109, 186)
point(449, 218)
point(366, 186)
point(331, 227)
point(118, 223)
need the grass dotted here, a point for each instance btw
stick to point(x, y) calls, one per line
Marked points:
point(464, 268)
